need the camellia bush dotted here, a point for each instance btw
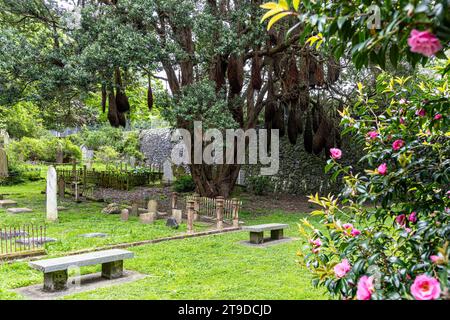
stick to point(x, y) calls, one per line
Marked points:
point(387, 235)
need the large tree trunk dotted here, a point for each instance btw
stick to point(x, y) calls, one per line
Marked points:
point(212, 184)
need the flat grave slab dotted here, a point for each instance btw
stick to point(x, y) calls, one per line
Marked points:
point(13, 234)
point(94, 235)
point(84, 283)
point(7, 203)
point(19, 210)
point(36, 241)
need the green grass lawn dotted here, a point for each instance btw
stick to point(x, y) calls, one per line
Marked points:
point(211, 267)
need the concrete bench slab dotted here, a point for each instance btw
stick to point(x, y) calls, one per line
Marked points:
point(55, 270)
point(7, 203)
point(19, 210)
point(257, 231)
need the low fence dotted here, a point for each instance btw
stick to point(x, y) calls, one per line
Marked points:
point(22, 240)
point(208, 206)
point(120, 180)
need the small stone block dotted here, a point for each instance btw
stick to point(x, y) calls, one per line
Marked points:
point(19, 210)
point(256, 237)
point(124, 215)
point(55, 281)
point(112, 270)
point(7, 203)
point(147, 218)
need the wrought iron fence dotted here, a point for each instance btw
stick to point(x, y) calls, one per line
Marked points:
point(21, 240)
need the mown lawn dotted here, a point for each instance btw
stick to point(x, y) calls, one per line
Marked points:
point(212, 267)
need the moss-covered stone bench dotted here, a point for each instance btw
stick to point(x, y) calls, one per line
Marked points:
point(55, 270)
point(257, 231)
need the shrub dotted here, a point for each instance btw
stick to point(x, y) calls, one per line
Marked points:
point(184, 184)
point(106, 154)
point(397, 246)
point(260, 185)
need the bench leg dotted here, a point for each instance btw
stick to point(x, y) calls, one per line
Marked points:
point(112, 270)
point(276, 234)
point(55, 281)
point(256, 237)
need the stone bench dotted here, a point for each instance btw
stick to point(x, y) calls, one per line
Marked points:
point(257, 232)
point(55, 270)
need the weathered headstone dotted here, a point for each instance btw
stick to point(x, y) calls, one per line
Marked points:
point(52, 205)
point(3, 164)
point(177, 215)
point(152, 206)
point(134, 209)
point(124, 215)
point(147, 218)
point(168, 176)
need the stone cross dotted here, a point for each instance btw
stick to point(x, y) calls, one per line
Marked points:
point(3, 164)
point(52, 206)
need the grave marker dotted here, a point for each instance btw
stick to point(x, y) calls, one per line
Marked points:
point(152, 206)
point(3, 164)
point(52, 206)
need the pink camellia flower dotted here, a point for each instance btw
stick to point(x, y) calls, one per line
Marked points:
point(317, 242)
point(355, 232)
point(412, 217)
point(437, 259)
point(382, 169)
point(365, 288)
point(398, 144)
point(372, 134)
point(448, 193)
point(425, 288)
point(424, 42)
point(347, 226)
point(438, 116)
point(341, 269)
point(401, 219)
point(336, 153)
point(421, 113)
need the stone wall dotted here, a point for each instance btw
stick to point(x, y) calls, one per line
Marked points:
point(303, 173)
point(300, 172)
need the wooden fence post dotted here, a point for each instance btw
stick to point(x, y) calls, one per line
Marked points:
point(219, 211)
point(196, 206)
point(235, 212)
point(190, 216)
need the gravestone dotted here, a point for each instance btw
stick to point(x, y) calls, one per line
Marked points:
point(152, 206)
point(52, 205)
point(3, 164)
point(134, 209)
point(19, 210)
point(4, 138)
point(147, 218)
point(177, 214)
point(94, 235)
point(124, 215)
point(59, 155)
point(7, 203)
point(112, 208)
point(168, 176)
point(86, 153)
